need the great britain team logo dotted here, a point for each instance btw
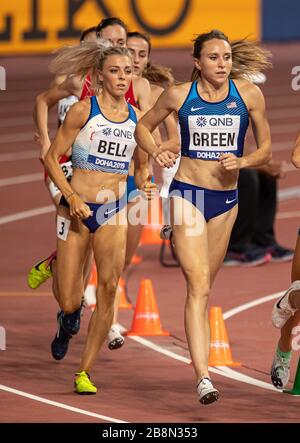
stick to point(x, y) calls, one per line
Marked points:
point(201, 121)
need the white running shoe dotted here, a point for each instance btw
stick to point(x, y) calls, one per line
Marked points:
point(115, 339)
point(282, 309)
point(280, 371)
point(206, 392)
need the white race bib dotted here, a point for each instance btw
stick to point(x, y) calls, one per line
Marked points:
point(67, 169)
point(112, 148)
point(64, 106)
point(62, 227)
point(214, 133)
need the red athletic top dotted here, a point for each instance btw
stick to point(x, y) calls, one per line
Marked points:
point(87, 90)
point(129, 96)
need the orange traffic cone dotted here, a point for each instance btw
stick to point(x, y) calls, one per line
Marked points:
point(155, 215)
point(90, 291)
point(136, 260)
point(124, 303)
point(146, 319)
point(150, 234)
point(220, 352)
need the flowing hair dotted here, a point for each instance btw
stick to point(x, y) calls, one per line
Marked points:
point(247, 57)
point(158, 74)
point(87, 58)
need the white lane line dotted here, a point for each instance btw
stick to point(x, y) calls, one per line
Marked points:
point(15, 121)
point(286, 215)
point(289, 167)
point(26, 214)
point(288, 193)
point(246, 379)
point(283, 113)
point(220, 370)
point(291, 101)
point(282, 146)
point(251, 304)
point(22, 155)
point(289, 128)
point(149, 344)
point(28, 178)
point(19, 137)
point(59, 405)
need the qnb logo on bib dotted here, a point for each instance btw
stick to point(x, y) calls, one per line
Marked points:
point(118, 133)
point(211, 135)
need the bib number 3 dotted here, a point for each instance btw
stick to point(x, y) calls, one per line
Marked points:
point(62, 227)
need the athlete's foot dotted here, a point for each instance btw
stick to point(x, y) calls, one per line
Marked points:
point(83, 384)
point(282, 310)
point(280, 254)
point(251, 257)
point(206, 392)
point(40, 272)
point(71, 322)
point(60, 343)
point(68, 325)
point(115, 338)
point(280, 370)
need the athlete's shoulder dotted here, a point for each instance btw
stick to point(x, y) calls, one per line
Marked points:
point(175, 95)
point(141, 87)
point(243, 85)
point(180, 89)
point(250, 93)
point(140, 82)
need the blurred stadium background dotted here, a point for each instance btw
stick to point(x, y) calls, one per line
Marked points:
point(38, 26)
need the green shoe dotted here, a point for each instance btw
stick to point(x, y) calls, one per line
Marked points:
point(39, 274)
point(83, 385)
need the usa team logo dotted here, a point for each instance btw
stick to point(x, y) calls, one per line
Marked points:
point(106, 131)
point(232, 105)
point(201, 121)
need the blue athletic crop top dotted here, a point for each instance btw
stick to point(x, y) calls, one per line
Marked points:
point(104, 145)
point(210, 129)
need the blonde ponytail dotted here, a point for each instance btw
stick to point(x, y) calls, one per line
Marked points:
point(87, 58)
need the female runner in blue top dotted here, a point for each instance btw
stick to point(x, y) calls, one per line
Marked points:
point(213, 112)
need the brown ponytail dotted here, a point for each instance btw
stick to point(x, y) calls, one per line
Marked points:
point(247, 57)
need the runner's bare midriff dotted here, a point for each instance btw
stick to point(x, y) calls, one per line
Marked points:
point(206, 174)
point(98, 187)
